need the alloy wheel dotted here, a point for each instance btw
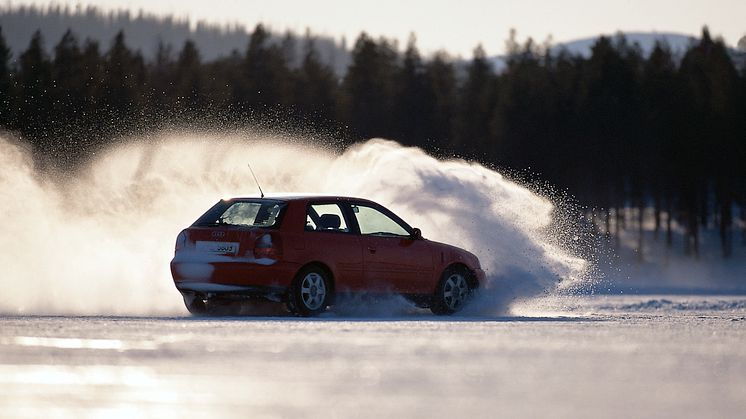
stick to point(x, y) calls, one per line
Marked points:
point(313, 291)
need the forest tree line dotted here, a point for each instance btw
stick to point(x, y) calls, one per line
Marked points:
point(621, 131)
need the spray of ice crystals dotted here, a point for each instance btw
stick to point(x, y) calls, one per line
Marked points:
point(100, 243)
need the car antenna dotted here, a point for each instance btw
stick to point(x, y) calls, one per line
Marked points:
point(256, 180)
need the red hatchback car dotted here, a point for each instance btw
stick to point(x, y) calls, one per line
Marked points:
point(305, 250)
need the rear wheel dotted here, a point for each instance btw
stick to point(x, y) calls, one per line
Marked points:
point(453, 291)
point(195, 305)
point(310, 292)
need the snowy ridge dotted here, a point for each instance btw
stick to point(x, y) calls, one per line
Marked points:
point(678, 43)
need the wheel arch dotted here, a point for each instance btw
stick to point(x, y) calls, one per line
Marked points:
point(323, 266)
point(471, 275)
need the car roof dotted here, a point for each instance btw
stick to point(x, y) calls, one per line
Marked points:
point(305, 197)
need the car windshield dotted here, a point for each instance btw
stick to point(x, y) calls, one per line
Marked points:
point(244, 213)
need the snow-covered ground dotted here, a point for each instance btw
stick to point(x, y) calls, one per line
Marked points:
point(659, 269)
point(567, 357)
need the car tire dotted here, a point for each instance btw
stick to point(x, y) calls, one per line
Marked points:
point(195, 305)
point(310, 292)
point(221, 307)
point(452, 292)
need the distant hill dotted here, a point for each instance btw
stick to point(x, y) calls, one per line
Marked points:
point(645, 40)
point(143, 32)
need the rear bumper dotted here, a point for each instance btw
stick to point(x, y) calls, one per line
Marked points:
point(206, 290)
point(230, 276)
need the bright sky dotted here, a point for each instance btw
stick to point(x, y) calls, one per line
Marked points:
point(458, 25)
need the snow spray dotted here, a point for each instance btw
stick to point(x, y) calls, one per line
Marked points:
point(100, 242)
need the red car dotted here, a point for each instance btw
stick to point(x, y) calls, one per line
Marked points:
point(305, 250)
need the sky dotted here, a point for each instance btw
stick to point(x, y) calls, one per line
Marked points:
point(456, 26)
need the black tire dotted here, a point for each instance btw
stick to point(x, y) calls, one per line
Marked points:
point(195, 304)
point(452, 292)
point(221, 307)
point(310, 292)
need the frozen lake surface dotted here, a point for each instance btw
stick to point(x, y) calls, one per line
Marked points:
point(567, 357)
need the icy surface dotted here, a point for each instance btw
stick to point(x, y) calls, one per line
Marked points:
point(590, 357)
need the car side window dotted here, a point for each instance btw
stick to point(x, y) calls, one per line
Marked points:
point(326, 217)
point(374, 222)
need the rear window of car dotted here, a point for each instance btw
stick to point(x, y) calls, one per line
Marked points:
point(243, 213)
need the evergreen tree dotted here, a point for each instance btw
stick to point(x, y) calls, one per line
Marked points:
point(266, 82)
point(123, 87)
point(521, 125)
point(315, 95)
point(189, 80)
point(442, 81)
point(92, 65)
point(6, 105)
point(415, 100)
point(368, 89)
point(289, 50)
point(565, 74)
point(224, 79)
point(162, 97)
point(34, 102)
point(609, 102)
point(661, 104)
point(713, 137)
point(68, 80)
point(477, 98)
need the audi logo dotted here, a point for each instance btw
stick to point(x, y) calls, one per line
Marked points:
point(218, 234)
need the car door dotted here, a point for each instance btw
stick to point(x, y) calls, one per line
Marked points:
point(393, 261)
point(330, 239)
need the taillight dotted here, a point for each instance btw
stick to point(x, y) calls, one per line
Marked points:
point(267, 247)
point(181, 240)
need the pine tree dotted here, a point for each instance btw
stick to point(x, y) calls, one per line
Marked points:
point(123, 87)
point(414, 104)
point(92, 66)
point(713, 137)
point(442, 81)
point(661, 104)
point(6, 105)
point(162, 96)
point(35, 83)
point(316, 88)
point(521, 125)
point(224, 79)
point(68, 80)
point(189, 80)
point(477, 98)
point(368, 89)
point(266, 82)
point(610, 106)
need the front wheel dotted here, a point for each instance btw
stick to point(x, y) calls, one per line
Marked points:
point(310, 292)
point(452, 292)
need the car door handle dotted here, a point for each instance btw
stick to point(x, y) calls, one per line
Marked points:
point(371, 249)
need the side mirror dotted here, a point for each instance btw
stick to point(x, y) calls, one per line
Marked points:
point(416, 234)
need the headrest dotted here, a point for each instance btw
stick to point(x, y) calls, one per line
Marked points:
point(329, 221)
